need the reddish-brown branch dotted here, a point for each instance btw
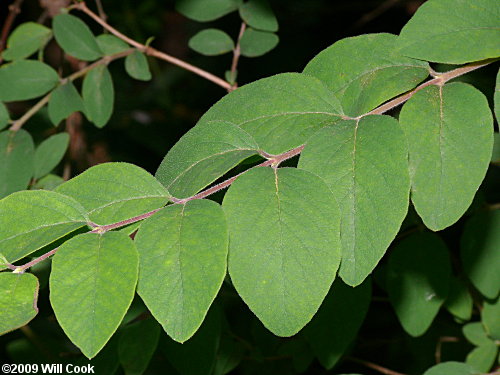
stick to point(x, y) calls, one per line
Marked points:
point(236, 55)
point(374, 366)
point(14, 10)
point(152, 51)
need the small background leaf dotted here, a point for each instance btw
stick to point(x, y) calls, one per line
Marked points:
point(459, 301)
point(26, 79)
point(259, 15)
point(137, 344)
point(18, 300)
point(256, 43)
point(16, 161)
point(111, 192)
point(451, 368)
point(75, 37)
point(98, 95)
point(418, 280)
point(489, 317)
point(337, 321)
point(448, 31)
point(203, 11)
point(84, 274)
point(25, 40)
point(136, 65)
point(49, 153)
point(479, 252)
point(211, 42)
point(475, 333)
point(482, 357)
point(48, 182)
point(63, 101)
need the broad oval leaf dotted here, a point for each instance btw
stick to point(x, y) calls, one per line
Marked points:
point(203, 155)
point(256, 43)
point(25, 40)
point(479, 251)
point(450, 137)
point(211, 42)
point(63, 101)
point(30, 220)
point(16, 161)
point(18, 300)
point(182, 251)
point(448, 31)
point(92, 285)
point(75, 37)
point(110, 44)
point(475, 333)
point(259, 15)
point(98, 95)
point(364, 71)
point(365, 165)
point(451, 368)
point(49, 153)
point(111, 192)
point(4, 116)
point(138, 342)
point(136, 65)
point(459, 301)
point(26, 79)
point(280, 112)
point(203, 11)
point(337, 321)
point(418, 279)
point(284, 248)
point(483, 357)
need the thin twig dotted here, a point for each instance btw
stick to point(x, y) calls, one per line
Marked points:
point(374, 366)
point(152, 51)
point(106, 228)
point(25, 266)
point(16, 125)
point(100, 10)
point(14, 10)
point(442, 339)
point(440, 80)
point(236, 56)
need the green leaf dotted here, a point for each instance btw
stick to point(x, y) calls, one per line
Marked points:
point(3, 262)
point(489, 317)
point(92, 285)
point(495, 155)
point(450, 137)
point(48, 182)
point(280, 112)
point(18, 300)
point(211, 42)
point(229, 355)
point(497, 97)
point(418, 280)
point(138, 342)
point(256, 43)
point(75, 37)
point(284, 247)
point(136, 65)
point(483, 357)
point(111, 192)
point(451, 368)
point(98, 95)
point(448, 31)
point(339, 317)
point(365, 71)
point(16, 161)
point(183, 251)
point(203, 11)
point(4, 116)
point(25, 40)
point(259, 15)
point(475, 334)
point(30, 220)
point(26, 79)
point(365, 165)
point(202, 155)
point(49, 153)
point(110, 44)
point(63, 101)
point(479, 253)
point(196, 356)
point(459, 301)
